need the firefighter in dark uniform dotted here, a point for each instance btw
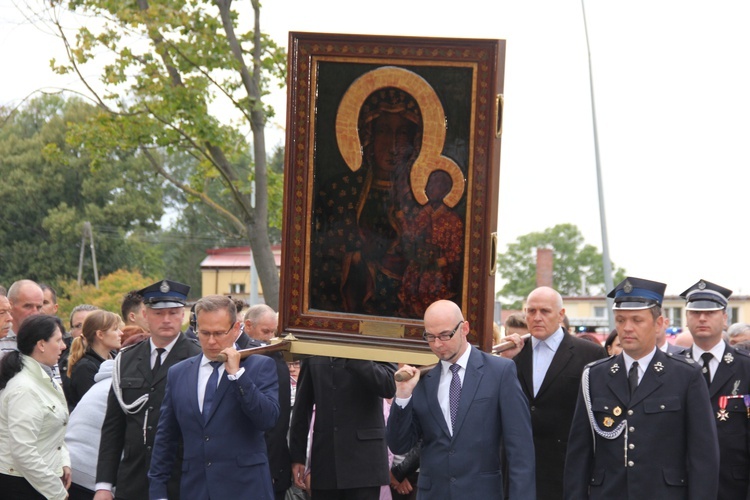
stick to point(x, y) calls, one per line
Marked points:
point(138, 381)
point(643, 426)
point(727, 374)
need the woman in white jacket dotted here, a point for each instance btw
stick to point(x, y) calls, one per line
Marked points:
point(34, 462)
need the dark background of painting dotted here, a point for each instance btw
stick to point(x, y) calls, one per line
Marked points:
point(453, 86)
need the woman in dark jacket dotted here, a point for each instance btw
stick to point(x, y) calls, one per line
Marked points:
point(102, 336)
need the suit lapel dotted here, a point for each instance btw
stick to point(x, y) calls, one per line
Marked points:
point(143, 361)
point(651, 378)
point(618, 379)
point(526, 369)
point(431, 383)
point(559, 361)
point(725, 371)
point(192, 385)
point(472, 379)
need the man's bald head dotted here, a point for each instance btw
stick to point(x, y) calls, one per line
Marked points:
point(544, 312)
point(26, 299)
point(261, 322)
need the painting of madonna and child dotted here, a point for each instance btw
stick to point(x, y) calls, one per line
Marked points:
point(389, 204)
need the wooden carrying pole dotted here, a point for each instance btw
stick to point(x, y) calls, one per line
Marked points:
point(283, 345)
point(496, 349)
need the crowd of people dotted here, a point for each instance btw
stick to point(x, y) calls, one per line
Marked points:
point(128, 406)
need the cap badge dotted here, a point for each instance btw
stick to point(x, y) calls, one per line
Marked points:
point(164, 288)
point(728, 358)
point(627, 287)
point(614, 368)
point(608, 422)
point(658, 366)
point(701, 285)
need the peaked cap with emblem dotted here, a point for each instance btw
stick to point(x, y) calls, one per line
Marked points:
point(636, 293)
point(165, 294)
point(706, 296)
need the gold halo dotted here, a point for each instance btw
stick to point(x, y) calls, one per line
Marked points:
point(430, 158)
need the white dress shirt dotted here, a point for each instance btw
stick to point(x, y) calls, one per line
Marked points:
point(543, 352)
point(642, 363)
point(713, 365)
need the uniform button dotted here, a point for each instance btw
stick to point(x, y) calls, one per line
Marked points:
point(662, 407)
point(150, 408)
point(632, 429)
point(631, 463)
point(452, 452)
point(533, 408)
point(150, 427)
point(153, 389)
point(631, 446)
point(630, 412)
point(208, 464)
point(206, 438)
point(453, 480)
point(148, 448)
point(592, 480)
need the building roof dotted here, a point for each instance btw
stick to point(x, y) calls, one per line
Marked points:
point(234, 257)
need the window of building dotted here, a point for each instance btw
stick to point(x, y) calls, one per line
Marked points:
point(237, 288)
point(600, 312)
point(733, 315)
point(675, 316)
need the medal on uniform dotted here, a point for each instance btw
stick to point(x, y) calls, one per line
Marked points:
point(617, 411)
point(722, 414)
point(608, 422)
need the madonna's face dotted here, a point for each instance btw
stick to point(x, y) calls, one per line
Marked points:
point(393, 141)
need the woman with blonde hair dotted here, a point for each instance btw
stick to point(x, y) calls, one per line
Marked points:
point(34, 462)
point(102, 336)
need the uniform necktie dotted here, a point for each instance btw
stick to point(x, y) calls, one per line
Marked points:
point(213, 381)
point(157, 364)
point(633, 377)
point(707, 357)
point(454, 394)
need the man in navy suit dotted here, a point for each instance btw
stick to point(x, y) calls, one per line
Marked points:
point(727, 374)
point(643, 426)
point(221, 411)
point(463, 410)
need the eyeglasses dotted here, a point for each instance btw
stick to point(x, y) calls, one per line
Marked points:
point(444, 337)
point(215, 335)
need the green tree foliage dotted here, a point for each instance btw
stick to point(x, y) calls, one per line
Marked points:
point(112, 288)
point(48, 191)
point(577, 267)
point(172, 66)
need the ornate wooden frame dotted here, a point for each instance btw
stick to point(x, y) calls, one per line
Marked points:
point(465, 79)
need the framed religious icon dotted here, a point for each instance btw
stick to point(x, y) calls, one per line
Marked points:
point(391, 186)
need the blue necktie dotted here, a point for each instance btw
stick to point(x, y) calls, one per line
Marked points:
point(454, 394)
point(213, 381)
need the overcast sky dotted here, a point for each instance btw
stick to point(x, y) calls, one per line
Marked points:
point(672, 88)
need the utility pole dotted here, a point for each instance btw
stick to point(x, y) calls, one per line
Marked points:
point(606, 263)
point(87, 232)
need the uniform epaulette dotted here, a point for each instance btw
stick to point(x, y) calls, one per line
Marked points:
point(742, 352)
point(129, 347)
point(598, 361)
point(681, 357)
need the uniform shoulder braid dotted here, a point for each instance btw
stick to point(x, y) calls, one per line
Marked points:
point(599, 361)
point(684, 358)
